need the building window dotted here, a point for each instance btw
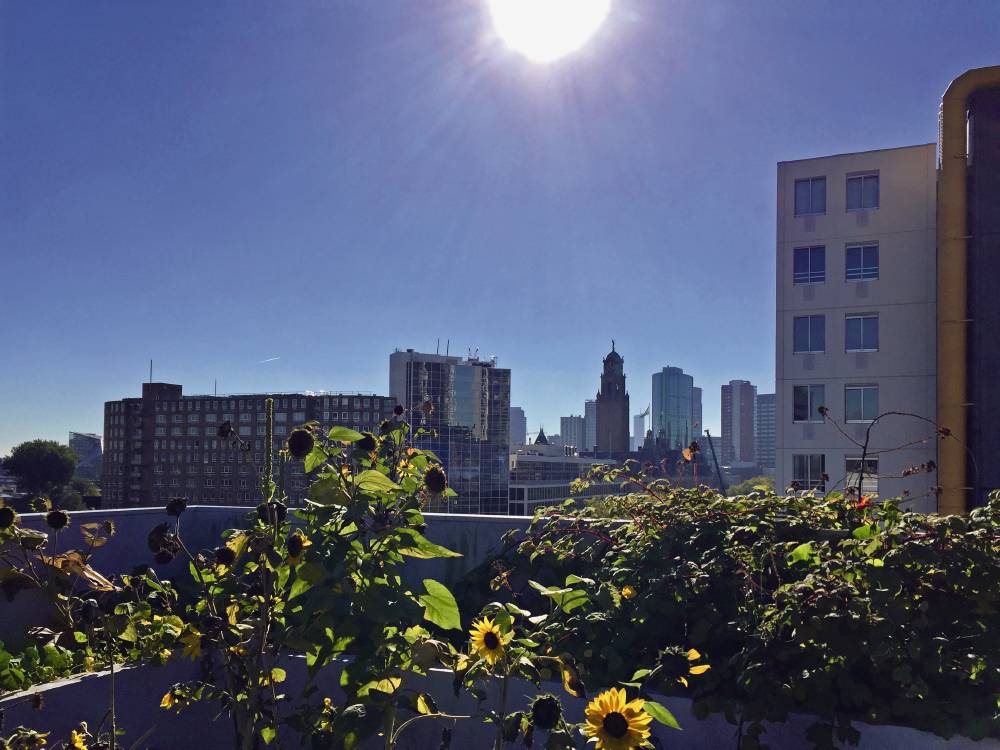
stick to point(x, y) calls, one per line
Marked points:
point(806, 400)
point(869, 482)
point(860, 403)
point(281, 416)
point(809, 471)
point(861, 262)
point(809, 334)
point(861, 333)
point(862, 192)
point(810, 196)
point(299, 417)
point(245, 417)
point(809, 265)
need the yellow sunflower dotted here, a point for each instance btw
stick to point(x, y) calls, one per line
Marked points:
point(628, 592)
point(617, 724)
point(77, 740)
point(488, 641)
point(693, 656)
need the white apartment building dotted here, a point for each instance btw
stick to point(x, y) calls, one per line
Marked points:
point(856, 321)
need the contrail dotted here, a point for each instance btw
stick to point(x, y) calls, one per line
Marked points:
point(270, 359)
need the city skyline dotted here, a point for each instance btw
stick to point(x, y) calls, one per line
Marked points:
point(183, 207)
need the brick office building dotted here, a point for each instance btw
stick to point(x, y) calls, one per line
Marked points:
point(166, 444)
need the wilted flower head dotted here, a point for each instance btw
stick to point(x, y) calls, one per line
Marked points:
point(7, 517)
point(225, 429)
point(398, 410)
point(367, 443)
point(300, 443)
point(436, 480)
point(274, 511)
point(57, 519)
point(546, 710)
point(176, 506)
point(224, 555)
point(427, 407)
point(163, 557)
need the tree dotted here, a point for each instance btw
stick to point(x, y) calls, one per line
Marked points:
point(71, 496)
point(746, 487)
point(41, 465)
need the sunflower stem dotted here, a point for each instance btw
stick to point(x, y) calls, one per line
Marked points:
point(502, 714)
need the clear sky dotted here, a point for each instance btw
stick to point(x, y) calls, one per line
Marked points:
point(214, 184)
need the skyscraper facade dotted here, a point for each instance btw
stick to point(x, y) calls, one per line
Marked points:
point(518, 426)
point(673, 407)
point(696, 413)
point(764, 433)
point(612, 407)
point(466, 403)
point(87, 447)
point(739, 405)
point(590, 424)
point(573, 431)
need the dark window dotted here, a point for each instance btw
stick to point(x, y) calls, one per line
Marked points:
point(862, 192)
point(861, 333)
point(861, 262)
point(809, 265)
point(809, 334)
point(809, 471)
point(806, 400)
point(810, 196)
point(860, 402)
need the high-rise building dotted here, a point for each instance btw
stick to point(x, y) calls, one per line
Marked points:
point(739, 407)
point(638, 429)
point(573, 431)
point(166, 444)
point(696, 413)
point(673, 407)
point(856, 321)
point(763, 432)
point(468, 408)
point(590, 424)
point(612, 407)
point(87, 447)
point(518, 426)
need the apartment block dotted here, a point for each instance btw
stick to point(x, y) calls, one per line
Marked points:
point(856, 322)
point(763, 433)
point(165, 444)
point(739, 415)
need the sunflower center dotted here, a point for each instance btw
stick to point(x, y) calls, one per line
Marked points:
point(616, 725)
point(491, 641)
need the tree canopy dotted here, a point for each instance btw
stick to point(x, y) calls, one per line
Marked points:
point(41, 465)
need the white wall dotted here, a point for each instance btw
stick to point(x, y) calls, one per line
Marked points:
point(904, 296)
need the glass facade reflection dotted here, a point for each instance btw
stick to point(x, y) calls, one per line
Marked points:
point(673, 407)
point(466, 402)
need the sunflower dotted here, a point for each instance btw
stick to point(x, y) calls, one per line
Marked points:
point(488, 641)
point(617, 724)
point(628, 592)
point(77, 740)
point(296, 545)
point(678, 663)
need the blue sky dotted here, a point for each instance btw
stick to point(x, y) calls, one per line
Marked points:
point(214, 184)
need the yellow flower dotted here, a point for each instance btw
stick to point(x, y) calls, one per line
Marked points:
point(692, 656)
point(76, 740)
point(488, 641)
point(296, 545)
point(628, 592)
point(168, 701)
point(192, 643)
point(617, 724)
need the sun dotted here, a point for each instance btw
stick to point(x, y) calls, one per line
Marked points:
point(545, 30)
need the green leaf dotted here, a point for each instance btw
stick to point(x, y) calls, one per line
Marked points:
point(344, 435)
point(863, 532)
point(422, 547)
point(440, 606)
point(388, 685)
point(565, 598)
point(268, 734)
point(316, 457)
point(277, 674)
point(129, 634)
point(375, 481)
point(803, 553)
point(328, 491)
point(661, 713)
point(426, 704)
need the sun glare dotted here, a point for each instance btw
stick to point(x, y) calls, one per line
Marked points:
point(545, 30)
